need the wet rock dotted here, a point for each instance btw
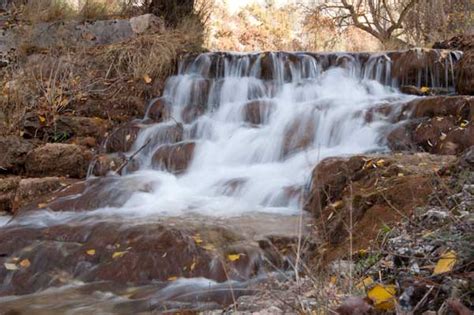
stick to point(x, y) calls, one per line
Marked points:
point(190, 113)
point(122, 138)
point(159, 110)
point(299, 135)
point(8, 187)
point(459, 42)
point(57, 159)
point(30, 189)
point(174, 158)
point(258, 111)
point(354, 306)
point(147, 23)
point(13, 153)
point(106, 163)
point(465, 79)
point(457, 106)
point(400, 138)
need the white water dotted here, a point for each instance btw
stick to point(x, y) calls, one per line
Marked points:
point(328, 106)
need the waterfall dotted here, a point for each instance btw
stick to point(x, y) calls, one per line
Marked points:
point(254, 125)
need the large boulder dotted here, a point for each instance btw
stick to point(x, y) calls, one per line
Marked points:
point(57, 159)
point(369, 191)
point(174, 158)
point(13, 153)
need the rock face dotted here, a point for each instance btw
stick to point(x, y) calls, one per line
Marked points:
point(122, 138)
point(174, 158)
point(147, 23)
point(13, 153)
point(370, 191)
point(159, 110)
point(257, 112)
point(8, 187)
point(465, 80)
point(439, 125)
point(56, 159)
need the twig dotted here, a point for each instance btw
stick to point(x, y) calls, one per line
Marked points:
point(125, 163)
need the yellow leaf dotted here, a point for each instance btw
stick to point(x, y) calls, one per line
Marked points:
point(147, 79)
point(464, 123)
point(365, 283)
point(209, 247)
point(445, 263)
point(42, 205)
point(400, 175)
point(10, 266)
point(333, 280)
point(25, 263)
point(424, 89)
point(173, 278)
point(337, 204)
point(383, 296)
point(118, 254)
point(380, 163)
point(90, 252)
point(197, 239)
point(42, 119)
point(233, 257)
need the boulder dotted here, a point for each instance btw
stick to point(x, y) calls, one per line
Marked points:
point(174, 158)
point(465, 79)
point(80, 126)
point(371, 191)
point(299, 135)
point(8, 187)
point(191, 112)
point(57, 159)
point(106, 163)
point(31, 189)
point(258, 111)
point(147, 23)
point(123, 137)
point(13, 153)
point(159, 110)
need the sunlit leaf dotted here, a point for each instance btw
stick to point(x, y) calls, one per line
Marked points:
point(365, 283)
point(445, 263)
point(42, 119)
point(173, 278)
point(147, 79)
point(383, 296)
point(197, 239)
point(90, 252)
point(233, 257)
point(424, 89)
point(25, 263)
point(118, 254)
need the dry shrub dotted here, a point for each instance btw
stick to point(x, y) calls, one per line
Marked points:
point(154, 55)
point(36, 11)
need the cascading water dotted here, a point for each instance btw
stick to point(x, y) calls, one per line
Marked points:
point(261, 122)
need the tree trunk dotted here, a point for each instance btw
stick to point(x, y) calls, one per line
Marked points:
point(172, 11)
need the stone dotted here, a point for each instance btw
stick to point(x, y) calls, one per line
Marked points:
point(123, 137)
point(174, 158)
point(8, 187)
point(465, 79)
point(159, 110)
point(58, 159)
point(106, 163)
point(299, 135)
point(13, 150)
point(81, 126)
point(147, 23)
point(30, 189)
point(258, 111)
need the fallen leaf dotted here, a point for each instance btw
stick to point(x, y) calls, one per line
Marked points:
point(365, 283)
point(383, 297)
point(197, 239)
point(10, 266)
point(42, 119)
point(118, 254)
point(193, 265)
point(443, 136)
point(380, 163)
point(464, 124)
point(90, 252)
point(147, 79)
point(424, 89)
point(233, 257)
point(42, 205)
point(445, 263)
point(25, 263)
point(209, 247)
point(173, 278)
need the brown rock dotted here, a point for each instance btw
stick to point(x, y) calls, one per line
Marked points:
point(465, 79)
point(31, 189)
point(174, 158)
point(13, 153)
point(81, 126)
point(369, 191)
point(457, 106)
point(122, 138)
point(8, 187)
point(258, 111)
point(191, 112)
point(147, 23)
point(57, 159)
point(299, 135)
point(106, 163)
point(159, 110)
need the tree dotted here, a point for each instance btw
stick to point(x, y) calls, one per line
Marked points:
point(383, 19)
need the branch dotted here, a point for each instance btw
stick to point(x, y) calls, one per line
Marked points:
point(402, 16)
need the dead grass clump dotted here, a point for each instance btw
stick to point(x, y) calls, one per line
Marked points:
point(36, 11)
point(153, 55)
